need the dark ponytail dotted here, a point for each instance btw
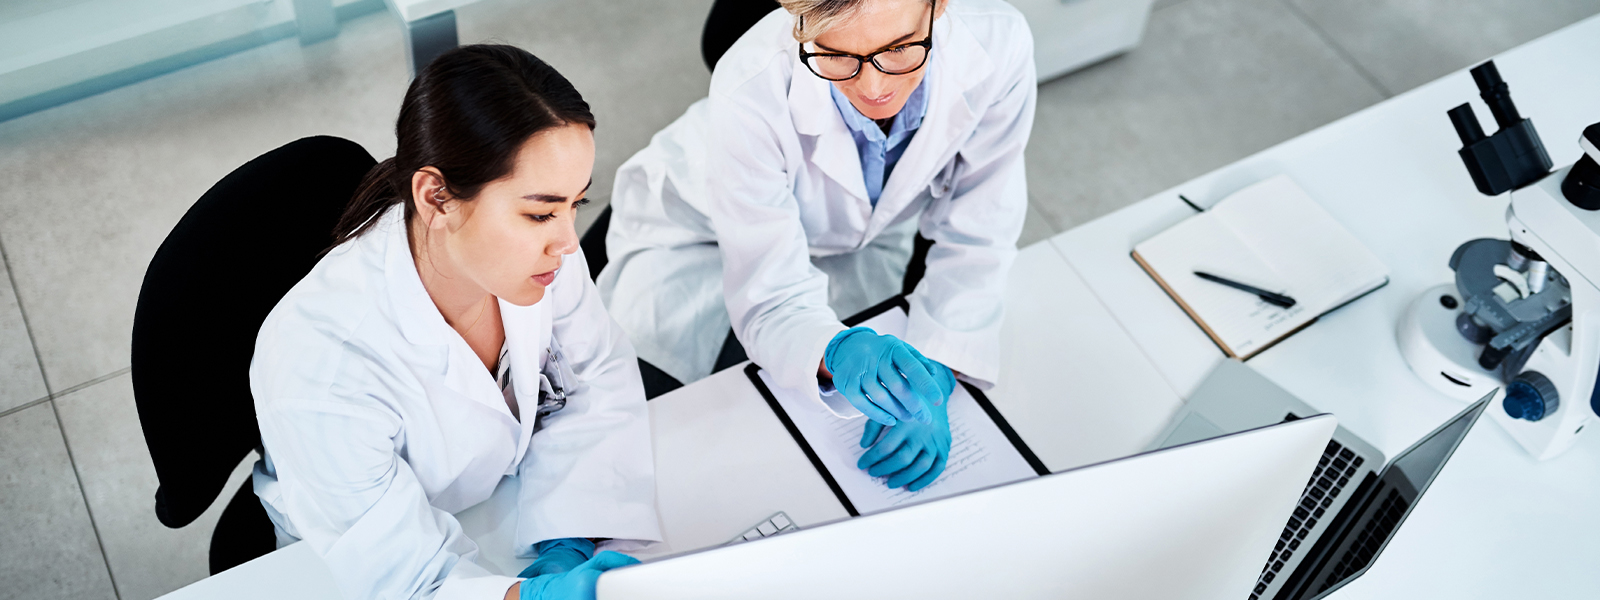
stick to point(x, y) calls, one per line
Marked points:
point(467, 114)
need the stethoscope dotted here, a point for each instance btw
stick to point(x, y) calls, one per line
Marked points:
point(552, 385)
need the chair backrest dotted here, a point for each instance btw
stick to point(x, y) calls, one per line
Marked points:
point(237, 251)
point(593, 243)
point(729, 19)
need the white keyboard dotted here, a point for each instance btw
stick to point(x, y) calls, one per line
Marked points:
point(771, 526)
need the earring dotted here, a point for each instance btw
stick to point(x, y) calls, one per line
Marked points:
point(438, 197)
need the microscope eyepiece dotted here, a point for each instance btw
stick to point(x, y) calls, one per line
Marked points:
point(1496, 94)
point(1513, 156)
point(1466, 123)
point(1487, 75)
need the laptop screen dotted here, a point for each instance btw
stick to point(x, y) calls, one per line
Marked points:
point(1382, 510)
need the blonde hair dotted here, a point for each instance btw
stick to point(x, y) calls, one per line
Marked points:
point(816, 17)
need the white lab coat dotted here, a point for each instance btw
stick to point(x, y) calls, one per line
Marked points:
point(761, 181)
point(379, 422)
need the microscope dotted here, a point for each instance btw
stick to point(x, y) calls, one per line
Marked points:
point(1523, 314)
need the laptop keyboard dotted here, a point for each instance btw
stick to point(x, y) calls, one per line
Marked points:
point(1334, 470)
point(771, 526)
point(1369, 539)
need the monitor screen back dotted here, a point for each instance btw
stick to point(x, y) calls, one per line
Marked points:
point(1192, 521)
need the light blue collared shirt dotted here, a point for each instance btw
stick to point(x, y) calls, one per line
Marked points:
point(879, 153)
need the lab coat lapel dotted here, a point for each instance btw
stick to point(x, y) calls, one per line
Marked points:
point(834, 151)
point(422, 325)
point(419, 320)
point(958, 63)
point(527, 337)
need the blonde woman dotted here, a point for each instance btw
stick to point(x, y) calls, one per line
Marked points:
point(834, 131)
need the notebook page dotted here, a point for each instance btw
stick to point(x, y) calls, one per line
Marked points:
point(1243, 321)
point(980, 454)
point(1319, 261)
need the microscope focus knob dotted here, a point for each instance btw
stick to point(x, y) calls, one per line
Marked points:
point(1531, 396)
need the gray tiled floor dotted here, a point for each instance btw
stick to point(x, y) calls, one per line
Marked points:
point(50, 550)
point(1213, 81)
point(637, 63)
point(88, 190)
point(1035, 228)
point(20, 379)
point(146, 558)
point(1433, 38)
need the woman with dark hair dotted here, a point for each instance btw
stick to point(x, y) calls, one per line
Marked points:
point(451, 338)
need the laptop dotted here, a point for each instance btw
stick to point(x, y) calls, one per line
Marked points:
point(1201, 516)
point(1355, 499)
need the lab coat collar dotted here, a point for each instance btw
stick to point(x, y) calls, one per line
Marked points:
point(812, 109)
point(960, 65)
point(419, 320)
point(421, 323)
point(960, 62)
point(527, 337)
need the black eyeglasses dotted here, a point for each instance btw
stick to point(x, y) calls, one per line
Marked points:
point(894, 60)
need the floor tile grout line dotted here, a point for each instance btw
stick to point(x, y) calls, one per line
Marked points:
point(91, 383)
point(78, 477)
point(22, 407)
point(22, 311)
point(1338, 49)
point(66, 392)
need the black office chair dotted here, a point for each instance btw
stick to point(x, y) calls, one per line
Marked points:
point(230, 259)
point(728, 20)
point(593, 243)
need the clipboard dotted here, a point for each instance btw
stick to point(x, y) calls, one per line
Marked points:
point(989, 411)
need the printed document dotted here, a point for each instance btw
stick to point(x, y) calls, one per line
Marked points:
point(980, 454)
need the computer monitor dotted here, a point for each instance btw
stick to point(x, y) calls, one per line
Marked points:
point(1191, 521)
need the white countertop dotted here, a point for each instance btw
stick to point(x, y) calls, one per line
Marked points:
point(1496, 523)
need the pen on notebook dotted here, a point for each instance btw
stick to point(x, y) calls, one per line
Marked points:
point(1272, 298)
point(1192, 205)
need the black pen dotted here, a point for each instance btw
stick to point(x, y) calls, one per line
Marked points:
point(1272, 298)
point(1192, 205)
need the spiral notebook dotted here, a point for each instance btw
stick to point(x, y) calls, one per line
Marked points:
point(1270, 235)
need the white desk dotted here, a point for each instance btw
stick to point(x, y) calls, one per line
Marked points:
point(724, 462)
point(1496, 524)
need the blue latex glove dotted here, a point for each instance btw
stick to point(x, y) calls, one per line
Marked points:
point(911, 455)
point(941, 375)
point(558, 556)
point(576, 584)
point(882, 376)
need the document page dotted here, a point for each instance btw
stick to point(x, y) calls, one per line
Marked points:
point(980, 454)
point(1298, 238)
